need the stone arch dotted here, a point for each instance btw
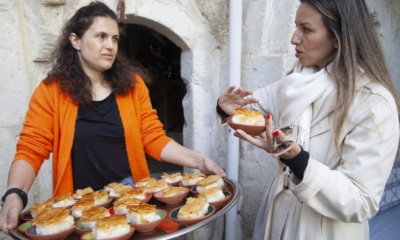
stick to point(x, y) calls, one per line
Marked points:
point(185, 26)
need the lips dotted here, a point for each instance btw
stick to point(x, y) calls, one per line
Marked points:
point(108, 56)
point(298, 53)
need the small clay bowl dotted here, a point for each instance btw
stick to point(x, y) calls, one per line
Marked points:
point(106, 204)
point(188, 186)
point(31, 233)
point(23, 227)
point(126, 236)
point(221, 203)
point(170, 200)
point(147, 227)
point(80, 230)
point(26, 216)
point(249, 129)
point(174, 216)
point(195, 192)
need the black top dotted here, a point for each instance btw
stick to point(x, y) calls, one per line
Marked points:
point(99, 152)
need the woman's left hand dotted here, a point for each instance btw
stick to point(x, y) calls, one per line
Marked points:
point(208, 166)
point(265, 140)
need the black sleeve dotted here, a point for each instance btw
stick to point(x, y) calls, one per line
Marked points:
point(297, 164)
point(220, 111)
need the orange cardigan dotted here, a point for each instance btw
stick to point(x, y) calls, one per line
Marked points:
point(50, 125)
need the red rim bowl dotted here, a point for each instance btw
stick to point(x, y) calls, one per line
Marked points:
point(54, 236)
point(170, 200)
point(249, 129)
point(147, 227)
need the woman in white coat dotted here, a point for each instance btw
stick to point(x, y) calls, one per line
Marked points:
point(343, 109)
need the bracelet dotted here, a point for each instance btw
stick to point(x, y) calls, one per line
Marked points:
point(220, 111)
point(19, 192)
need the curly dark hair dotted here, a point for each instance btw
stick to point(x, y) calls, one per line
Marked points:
point(66, 66)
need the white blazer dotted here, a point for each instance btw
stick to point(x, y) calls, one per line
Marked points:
point(337, 195)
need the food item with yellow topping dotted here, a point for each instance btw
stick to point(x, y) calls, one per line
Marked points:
point(81, 205)
point(172, 178)
point(144, 181)
point(91, 215)
point(248, 117)
point(137, 193)
point(121, 206)
point(194, 208)
point(143, 213)
point(118, 190)
point(110, 227)
point(156, 186)
point(212, 194)
point(192, 178)
point(99, 197)
point(80, 192)
point(112, 185)
point(53, 221)
point(210, 182)
point(63, 201)
point(173, 191)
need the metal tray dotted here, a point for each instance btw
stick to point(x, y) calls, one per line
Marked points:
point(231, 186)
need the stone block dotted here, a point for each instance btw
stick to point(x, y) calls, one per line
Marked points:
point(53, 2)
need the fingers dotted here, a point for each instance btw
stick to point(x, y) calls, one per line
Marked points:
point(280, 136)
point(231, 88)
point(3, 222)
point(13, 218)
point(244, 136)
point(268, 132)
point(250, 100)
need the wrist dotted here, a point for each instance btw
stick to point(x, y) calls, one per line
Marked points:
point(13, 194)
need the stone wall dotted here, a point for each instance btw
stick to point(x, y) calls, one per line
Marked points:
point(200, 27)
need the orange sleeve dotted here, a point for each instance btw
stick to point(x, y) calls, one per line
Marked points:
point(153, 135)
point(36, 138)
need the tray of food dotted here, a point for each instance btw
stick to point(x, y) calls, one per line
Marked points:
point(149, 209)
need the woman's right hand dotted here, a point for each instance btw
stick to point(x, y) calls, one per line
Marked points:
point(9, 212)
point(234, 98)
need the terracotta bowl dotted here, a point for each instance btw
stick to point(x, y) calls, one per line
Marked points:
point(147, 227)
point(171, 200)
point(23, 227)
point(221, 203)
point(195, 192)
point(31, 233)
point(26, 216)
point(174, 216)
point(188, 186)
point(106, 204)
point(80, 230)
point(147, 199)
point(89, 236)
point(249, 129)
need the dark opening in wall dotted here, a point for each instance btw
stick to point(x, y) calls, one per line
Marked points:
point(162, 59)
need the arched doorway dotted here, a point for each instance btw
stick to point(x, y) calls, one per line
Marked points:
point(162, 59)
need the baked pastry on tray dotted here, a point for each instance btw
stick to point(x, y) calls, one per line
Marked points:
point(194, 208)
point(210, 182)
point(191, 178)
point(156, 186)
point(110, 227)
point(137, 193)
point(53, 221)
point(63, 201)
point(80, 192)
point(82, 205)
point(143, 182)
point(212, 194)
point(121, 206)
point(143, 213)
point(99, 197)
point(91, 215)
point(173, 191)
point(172, 178)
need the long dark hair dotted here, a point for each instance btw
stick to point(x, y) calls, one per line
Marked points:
point(359, 47)
point(66, 66)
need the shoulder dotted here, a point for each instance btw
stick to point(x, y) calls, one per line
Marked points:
point(373, 100)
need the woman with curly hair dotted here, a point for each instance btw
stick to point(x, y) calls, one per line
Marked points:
point(94, 114)
point(336, 133)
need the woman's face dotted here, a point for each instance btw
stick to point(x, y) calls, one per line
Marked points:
point(314, 44)
point(98, 46)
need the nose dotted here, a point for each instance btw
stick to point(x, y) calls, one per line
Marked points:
point(109, 43)
point(295, 38)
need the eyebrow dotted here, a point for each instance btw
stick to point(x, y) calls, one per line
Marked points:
point(101, 32)
point(305, 23)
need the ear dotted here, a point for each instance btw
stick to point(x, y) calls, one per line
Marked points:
point(74, 41)
point(336, 44)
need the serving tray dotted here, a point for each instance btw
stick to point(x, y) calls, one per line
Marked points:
point(163, 232)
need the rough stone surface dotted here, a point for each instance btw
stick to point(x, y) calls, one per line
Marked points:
point(201, 28)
